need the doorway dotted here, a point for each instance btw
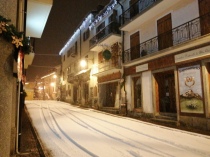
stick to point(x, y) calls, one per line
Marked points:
point(165, 92)
point(208, 70)
point(165, 32)
point(134, 44)
point(75, 94)
point(204, 9)
point(108, 94)
point(137, 92)
point(134, 8)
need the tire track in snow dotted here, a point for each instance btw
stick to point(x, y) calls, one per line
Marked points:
point(183, 147)
point(147, 148)
point(71, 140)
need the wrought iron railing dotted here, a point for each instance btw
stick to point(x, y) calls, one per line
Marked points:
point(135, 9)
point(108, 65)
point(112, 28)
point(185, 32)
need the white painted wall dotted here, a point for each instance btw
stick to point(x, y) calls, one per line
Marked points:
point(184, 13)
point(181, 13)
point(147, 92)
point(128, 89)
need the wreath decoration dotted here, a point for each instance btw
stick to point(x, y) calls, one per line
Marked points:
point(9, 33)
point(107, 54)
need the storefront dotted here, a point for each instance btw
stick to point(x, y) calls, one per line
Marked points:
point(193, 87)
point(180, 86)
point(109, 90)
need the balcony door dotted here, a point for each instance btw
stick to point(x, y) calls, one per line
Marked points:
point(134, 8)
point(204, 8)
point(165, 32)
point(134, 43)
point(100, 31)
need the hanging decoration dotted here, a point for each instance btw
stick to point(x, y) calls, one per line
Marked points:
point(107, 54)
point(20, 65)
point(9, 33)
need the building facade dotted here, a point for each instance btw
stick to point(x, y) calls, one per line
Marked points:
point(151, 57)
point(13, 21)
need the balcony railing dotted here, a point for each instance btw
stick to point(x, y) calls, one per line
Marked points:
point(135, 9)
point(109, 65)
point(112, 28)
point(185, 32)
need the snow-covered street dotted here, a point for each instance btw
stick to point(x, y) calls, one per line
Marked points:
point(69, 131)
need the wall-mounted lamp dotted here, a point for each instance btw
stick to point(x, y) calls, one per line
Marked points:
point(83, 62)
point(54, 76)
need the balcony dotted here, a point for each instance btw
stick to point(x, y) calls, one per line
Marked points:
point(143, 10)
point(71, 78)
point(177, 37)
point(106, 36)
point(109, 67)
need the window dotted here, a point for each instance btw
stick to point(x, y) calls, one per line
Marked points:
point(68, 53)
point(134, 44)
point(63, 75)
point(113, 17)
point(86, 35)
point(75, 48)
point(100, 27)
point(72, 51)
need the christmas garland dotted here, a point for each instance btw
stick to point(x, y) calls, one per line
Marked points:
point(107, 54)
point(9, 33)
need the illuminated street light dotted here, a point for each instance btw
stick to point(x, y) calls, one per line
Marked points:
point(54, 76)
point(83, 63)
point(52, 84)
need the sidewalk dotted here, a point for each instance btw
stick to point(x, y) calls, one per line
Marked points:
point(28, 141)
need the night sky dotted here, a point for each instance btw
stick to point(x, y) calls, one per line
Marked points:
point(64, 18)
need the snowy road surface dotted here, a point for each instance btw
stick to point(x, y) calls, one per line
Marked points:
point(68, 131)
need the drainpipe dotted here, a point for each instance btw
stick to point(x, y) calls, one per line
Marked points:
point(123, 33)
point(80, 51)
point(20, 26)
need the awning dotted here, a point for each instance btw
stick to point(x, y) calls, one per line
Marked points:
point(82, 72)
point(37, 15)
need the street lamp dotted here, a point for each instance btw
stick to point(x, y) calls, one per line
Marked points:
point(83, 63)
point(54, 76)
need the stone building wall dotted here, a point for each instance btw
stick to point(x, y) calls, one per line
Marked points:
point(6, 94)
point(8, 100)
point(8, 9)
